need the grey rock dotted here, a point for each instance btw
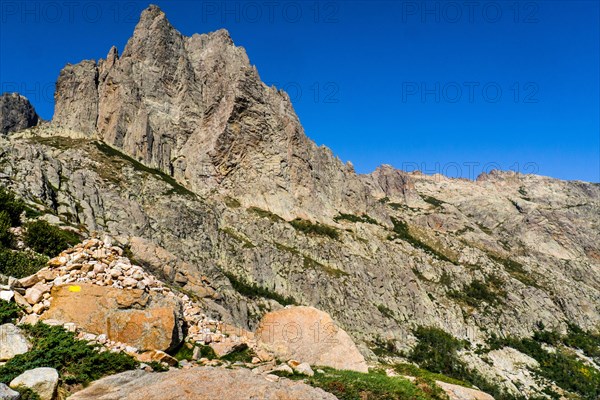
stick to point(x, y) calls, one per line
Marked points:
point(7, 393)
point(16, 113)
point(13, 342)
point(43, 381)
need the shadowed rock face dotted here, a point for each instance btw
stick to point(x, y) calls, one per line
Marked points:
point(16, 113)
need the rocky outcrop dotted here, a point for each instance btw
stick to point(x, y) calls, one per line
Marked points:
point(309, 335)
point(42, 381)
point(16, 113)
point(456, 392)
point(198, 384)
point(146, 321)
point(13, 342)
point(195, 108)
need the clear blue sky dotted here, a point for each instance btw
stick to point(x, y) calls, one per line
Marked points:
point(435, 85)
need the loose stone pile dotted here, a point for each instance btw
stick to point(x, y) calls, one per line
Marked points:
point(101, 263)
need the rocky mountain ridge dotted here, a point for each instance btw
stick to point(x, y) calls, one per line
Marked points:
point(178, 149)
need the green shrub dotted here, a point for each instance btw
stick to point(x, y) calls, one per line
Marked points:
point(252, 290)
point(20, 264)
point(355, 218)
point(243, 354)
point(27, 394)
point(476, 292)
point(311, 228)
point(402, 231)
point(75, 360)
point(375, 385)
point(48, 239)
point(437, 352)
point(13, 206)
point(7, 239)
point(562, 366)
point(9, 312)
point(157, 366)
point(207, 352)
point(266, 214)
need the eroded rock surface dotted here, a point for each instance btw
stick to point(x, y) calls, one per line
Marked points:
point(16, 113)
point(198, 384)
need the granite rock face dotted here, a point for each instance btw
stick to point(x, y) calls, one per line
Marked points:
point(195, 108)
point(16, 113)
point(198, 384)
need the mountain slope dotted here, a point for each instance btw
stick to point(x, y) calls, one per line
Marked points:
point(177, 144)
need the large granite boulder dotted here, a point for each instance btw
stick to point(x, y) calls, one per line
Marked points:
point(43, 381)
point(309, 335)
point(12, 342)
point(198, 384)
point(145, 320)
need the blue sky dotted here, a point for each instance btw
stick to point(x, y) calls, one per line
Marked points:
point(441, 86)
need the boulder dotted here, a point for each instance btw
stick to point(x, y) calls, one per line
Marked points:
point(12, 342)
point(7, 393)
point(6, 295)
point(456, 392)
point(147, 321)
point(158, 356)
point(310, 335)
point(43, 381)
point(200, 383)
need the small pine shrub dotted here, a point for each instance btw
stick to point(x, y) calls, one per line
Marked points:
point(9, 312)
point(48, 239)
point(76, 361)
point(13, 206)
point(27, 394)
point(20, 264)
point(7, 239)
point(308, 227)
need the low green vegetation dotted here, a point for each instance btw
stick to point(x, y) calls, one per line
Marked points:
point(413, 370)
point(266, 214)
point(515, 269)
point(157, 366)
point(562, 366)
point(437, 352)
point(311, 228)
point(252, 290)
point(402, 231)
point(27, 394)
point(246, 243)
point(75, 360)
point(20, 264)
point(176, 187)
point(375, 385)
point(385, 311)
point(478, 291)
point(9, 312)
point(7, 239)
point(242, 354)
point(355, 218)
point(48, 239)
point(12, 206)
